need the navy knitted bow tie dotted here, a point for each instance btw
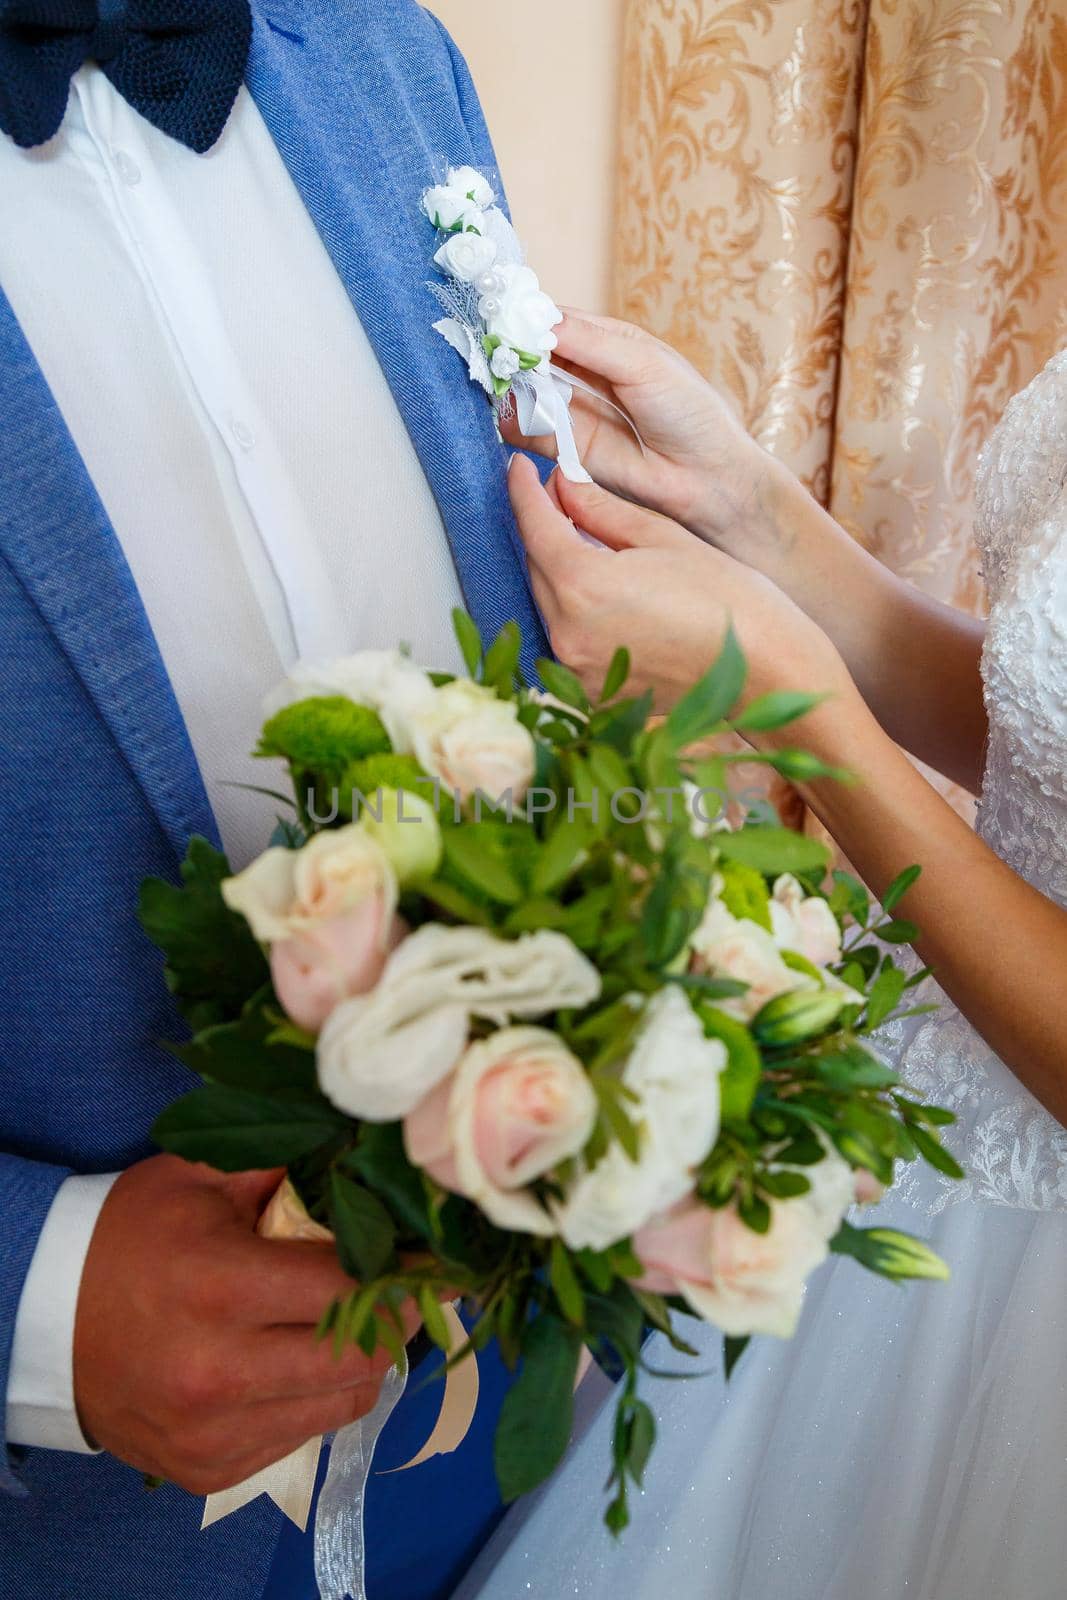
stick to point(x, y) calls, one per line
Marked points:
point(178, 62)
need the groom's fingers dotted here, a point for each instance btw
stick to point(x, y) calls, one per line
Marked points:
point(288, 1363)
point(270, 1281)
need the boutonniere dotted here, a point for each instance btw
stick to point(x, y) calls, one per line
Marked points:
point(499, 318)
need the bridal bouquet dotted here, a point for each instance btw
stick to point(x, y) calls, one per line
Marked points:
point(529, 1014)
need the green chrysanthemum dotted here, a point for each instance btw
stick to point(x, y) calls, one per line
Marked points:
point(744, 893)
point(324, 736)
point(387, 771)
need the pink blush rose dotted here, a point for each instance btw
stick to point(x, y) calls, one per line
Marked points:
point(334, 959)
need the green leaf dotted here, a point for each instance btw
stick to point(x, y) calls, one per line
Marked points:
point(885, 995)
point(772, 851)
point(784, 1185)
point(732, 1351)
point(889, 1253)
point(363, 1228)
point(559, 854)
point(699, 712)
point(468, 638)
point(538, 1410)
point(214, 966)
point(237, 1054)
point(899, 887)
point(433, 1319)
point(754, 1213)
point(744, 893)
point(381, 1161)
point(853, 1067)
point(620, 725)
point(235, 1130)
point(741, 1078)
point(563, 683)
point(775, 710)
point(474, 854)
point(502, 659)
point(617, 674)
point(933, 1151)
point(562, 1277)
point(850, 896)
point(897, 932)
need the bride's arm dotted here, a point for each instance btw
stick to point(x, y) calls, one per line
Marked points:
point(997, 946)
point(915, 661)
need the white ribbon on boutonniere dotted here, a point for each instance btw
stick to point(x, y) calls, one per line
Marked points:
point(340, 1548)
point(499, 318)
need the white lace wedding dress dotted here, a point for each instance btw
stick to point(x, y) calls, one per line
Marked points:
point(911, 1442)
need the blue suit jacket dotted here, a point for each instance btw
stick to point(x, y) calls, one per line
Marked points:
point(99, 786)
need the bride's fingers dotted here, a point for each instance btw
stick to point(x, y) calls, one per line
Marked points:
point(542, 444)
point(552, 544)
point(603, 347)
point(617, 523)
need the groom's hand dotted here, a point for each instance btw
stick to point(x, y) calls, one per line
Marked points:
point(194, 1356)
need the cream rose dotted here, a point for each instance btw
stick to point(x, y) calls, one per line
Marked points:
point(517, 1105)
point(466, 256)
point(470, 740)
point(804, 923)
point(726, 946)
point(741, 1281)
point(385, 681)
point(380, 1055)
point(288, 892)
point(519, 313)
point(673, 1071)
point(328, 912)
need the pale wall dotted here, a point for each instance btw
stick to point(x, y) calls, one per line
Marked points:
point(547, 72)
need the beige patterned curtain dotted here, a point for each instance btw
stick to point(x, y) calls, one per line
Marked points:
point(852, 215)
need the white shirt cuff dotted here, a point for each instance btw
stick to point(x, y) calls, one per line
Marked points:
point(40, 1388)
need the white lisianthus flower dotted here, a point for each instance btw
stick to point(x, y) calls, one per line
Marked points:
point(381, 1053)
point(386, 681)
point(674, 1072)
point(505, 363)
point(517, 1105)
point(470, 740)
point(286, 893)
point(725, 946)
point(804, 923)
point(520, 313)
point(472, 183)
point(466, 256)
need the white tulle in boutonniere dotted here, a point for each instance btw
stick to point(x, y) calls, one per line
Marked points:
point(499, 318)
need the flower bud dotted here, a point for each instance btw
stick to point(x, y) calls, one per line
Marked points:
point(405, 827)
point(792, 1018)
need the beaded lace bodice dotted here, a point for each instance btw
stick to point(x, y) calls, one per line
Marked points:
point(1013, 1151)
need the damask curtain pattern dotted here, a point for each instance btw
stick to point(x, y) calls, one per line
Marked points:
point(852, 216)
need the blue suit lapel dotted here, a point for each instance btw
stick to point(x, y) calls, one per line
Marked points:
point(56, 535)
point(363, 132)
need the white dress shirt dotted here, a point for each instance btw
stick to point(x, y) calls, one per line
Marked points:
point(246, 447)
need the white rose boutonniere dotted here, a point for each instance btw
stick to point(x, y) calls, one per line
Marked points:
point(499, 318)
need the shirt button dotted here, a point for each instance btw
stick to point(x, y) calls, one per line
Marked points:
point(127, 168)
point(243, 434)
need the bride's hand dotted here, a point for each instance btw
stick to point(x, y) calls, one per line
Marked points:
point(665, 595)
point(698, 465)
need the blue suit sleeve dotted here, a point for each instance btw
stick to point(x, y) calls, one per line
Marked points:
point(27, 1190)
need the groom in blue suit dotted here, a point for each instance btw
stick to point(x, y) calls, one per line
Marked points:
point(228, 438)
